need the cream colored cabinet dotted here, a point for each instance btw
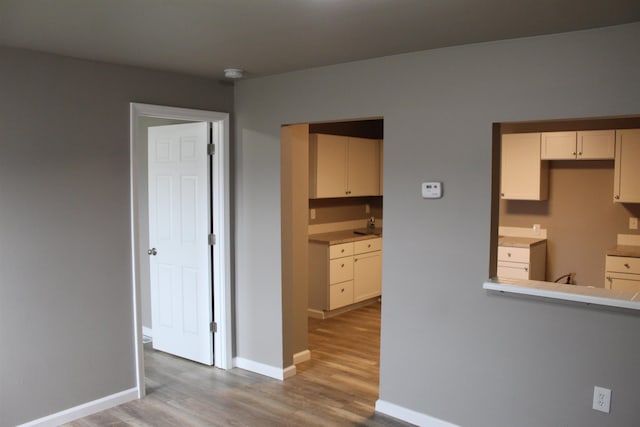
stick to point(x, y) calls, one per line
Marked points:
point(558, 145)
point(341, 166)
point(523, 175)
point(622, 273)
point(582, 145)
point(626, 181)
point(343, 274)
point(367, 269)
point(525, 261)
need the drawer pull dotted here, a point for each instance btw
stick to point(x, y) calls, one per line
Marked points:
point(342, 290)
point(342, 251)
point(526, 269)
point(369, 245)
point(342, 266)
point(509, 254)
point(627, 265)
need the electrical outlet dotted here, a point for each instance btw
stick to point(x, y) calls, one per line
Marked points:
point(633, 223)
point(312, 213)
point(601, 399)
point(367, 208)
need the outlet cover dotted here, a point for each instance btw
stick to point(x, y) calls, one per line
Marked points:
point(633, 223)
point(601, 399)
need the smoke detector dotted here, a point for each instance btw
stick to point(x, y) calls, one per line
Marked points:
point(233, 73)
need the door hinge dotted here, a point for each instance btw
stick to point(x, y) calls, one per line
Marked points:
point(211, 149)
point(212, 239)
point(213, 327)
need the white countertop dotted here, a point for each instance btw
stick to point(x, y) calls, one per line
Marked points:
point(519, 242)
point(559, 291)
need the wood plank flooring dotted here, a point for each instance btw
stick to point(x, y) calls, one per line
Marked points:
point(337, 387)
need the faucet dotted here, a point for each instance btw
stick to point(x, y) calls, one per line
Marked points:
point(372, 223)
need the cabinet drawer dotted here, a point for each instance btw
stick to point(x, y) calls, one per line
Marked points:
point(340, 269)
point(507, 253)
point(623, 264)
point(513, 270)
point(368, 245)
point(340, 295)
point(343, 249)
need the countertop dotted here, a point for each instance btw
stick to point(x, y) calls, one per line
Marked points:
point(519, 242)
point(344, 236)
point(627, 251)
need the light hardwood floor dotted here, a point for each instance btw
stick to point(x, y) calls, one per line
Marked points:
point(337, 387)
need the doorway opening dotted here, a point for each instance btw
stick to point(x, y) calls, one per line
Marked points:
point(143, 116)
point(343, 200)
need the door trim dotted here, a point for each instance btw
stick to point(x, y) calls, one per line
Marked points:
point(221, 274)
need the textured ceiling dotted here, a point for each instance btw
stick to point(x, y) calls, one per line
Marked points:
point(264, 37)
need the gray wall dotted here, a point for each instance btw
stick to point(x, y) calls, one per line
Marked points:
point(449, 349)
point(66, 324)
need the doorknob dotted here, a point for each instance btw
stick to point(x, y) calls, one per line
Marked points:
point(152, 251)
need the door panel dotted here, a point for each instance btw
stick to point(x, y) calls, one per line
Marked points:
point(179, 225)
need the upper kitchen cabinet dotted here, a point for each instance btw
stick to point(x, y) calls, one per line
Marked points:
point(626, 183)
point(582, 145)
point(341, 166)
point(523, 175)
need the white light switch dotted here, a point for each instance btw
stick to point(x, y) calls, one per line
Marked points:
point(432, 190)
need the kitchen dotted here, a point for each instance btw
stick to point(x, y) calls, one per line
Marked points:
point(345, 216)
point(569, 202)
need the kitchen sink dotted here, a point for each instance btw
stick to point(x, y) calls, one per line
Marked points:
point(367, 231)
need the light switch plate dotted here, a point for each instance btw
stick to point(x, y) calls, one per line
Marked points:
point(432, 190)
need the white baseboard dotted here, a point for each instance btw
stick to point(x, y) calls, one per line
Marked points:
point(147, 331)
point(84, 410)
point(302, 356)
point(410, 416)
point(262, 369)
point(315, 314)
point(289, 371)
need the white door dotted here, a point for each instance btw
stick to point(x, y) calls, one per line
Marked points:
point(179, 251)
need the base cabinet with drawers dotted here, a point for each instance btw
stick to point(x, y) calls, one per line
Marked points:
point(622, 273)
point(522, 258)
point(343, 274)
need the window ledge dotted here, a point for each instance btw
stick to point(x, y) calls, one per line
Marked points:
point(559, 291)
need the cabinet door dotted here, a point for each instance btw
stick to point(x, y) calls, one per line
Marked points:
point(558, 146)
point(367, 276)
point(523, 176)
point(364, 167)
point(327, 166)
point(596, 144)
point(626, 183)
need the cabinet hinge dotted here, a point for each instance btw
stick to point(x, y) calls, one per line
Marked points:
point(211, 149)
point(212, 239)
point(213, 327)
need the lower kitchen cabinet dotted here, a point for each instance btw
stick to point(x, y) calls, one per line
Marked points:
point(343, 274)
point(622, 273)
point(522, 258)
point(367, 269)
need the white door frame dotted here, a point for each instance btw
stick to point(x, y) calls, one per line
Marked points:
point(221, 263)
